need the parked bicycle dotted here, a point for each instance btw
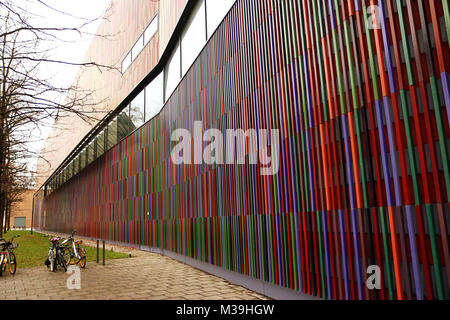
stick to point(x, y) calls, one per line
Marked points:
point(55, 255)
point(73, 253)
point(8, 258)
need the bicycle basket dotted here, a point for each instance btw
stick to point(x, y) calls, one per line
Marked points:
point(13, 245)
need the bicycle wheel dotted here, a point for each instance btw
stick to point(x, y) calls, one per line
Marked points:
point(61, 260)
point(12, 263)
point(82, 254)
point(67, 254)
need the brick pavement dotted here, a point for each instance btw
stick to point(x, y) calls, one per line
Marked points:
point(146, 276)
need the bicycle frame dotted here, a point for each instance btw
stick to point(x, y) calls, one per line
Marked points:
point(75, 249)
point(2, 257)
point(5, 256)
point(73, 245)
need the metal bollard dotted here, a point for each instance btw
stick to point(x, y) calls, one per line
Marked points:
point(103, 252)
point(97, 250)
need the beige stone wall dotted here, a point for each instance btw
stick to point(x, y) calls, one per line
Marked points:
point(23, 208)
point(126, 21)
point(170, 12)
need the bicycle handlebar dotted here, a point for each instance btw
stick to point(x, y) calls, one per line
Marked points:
point(10, 240)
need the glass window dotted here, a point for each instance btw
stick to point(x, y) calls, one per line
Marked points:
point(137, 48)
point(100, 143)
point(154, 97)
point(123, 124)
point(173, 73)
point(91, 155)
point(126, 62)
point(111, 139)
point(87, 155)
point(194, 37)
point(216, 12)
point(83, 159)
point(151, 30)
point(137, 111)
point(70, 170)
point(76, 165)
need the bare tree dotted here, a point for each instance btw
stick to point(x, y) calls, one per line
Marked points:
point(28, 100)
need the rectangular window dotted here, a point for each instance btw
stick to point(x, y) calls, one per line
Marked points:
point(91, 155)
point(87, 155)
point(20, 222)
point(123, 124)
point(137, 48)
point(126, 62)
point(154, 97)
point(173, 73)
point(83, 159)
point(194, 37)
point(216, 12)
point(137, 111)
point(100, 143)
point(70, 170)
point(151, 30)
point(76, 165)
point(111, 139)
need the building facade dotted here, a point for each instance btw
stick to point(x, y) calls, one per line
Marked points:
point(21, 212)
point(359, 94)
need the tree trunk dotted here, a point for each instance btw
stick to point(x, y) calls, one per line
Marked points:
point(8, 218)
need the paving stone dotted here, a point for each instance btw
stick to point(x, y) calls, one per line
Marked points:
point(146, 276)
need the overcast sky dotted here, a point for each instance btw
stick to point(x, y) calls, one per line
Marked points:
point(74, 48)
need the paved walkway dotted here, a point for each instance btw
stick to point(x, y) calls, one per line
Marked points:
point(146, 276)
